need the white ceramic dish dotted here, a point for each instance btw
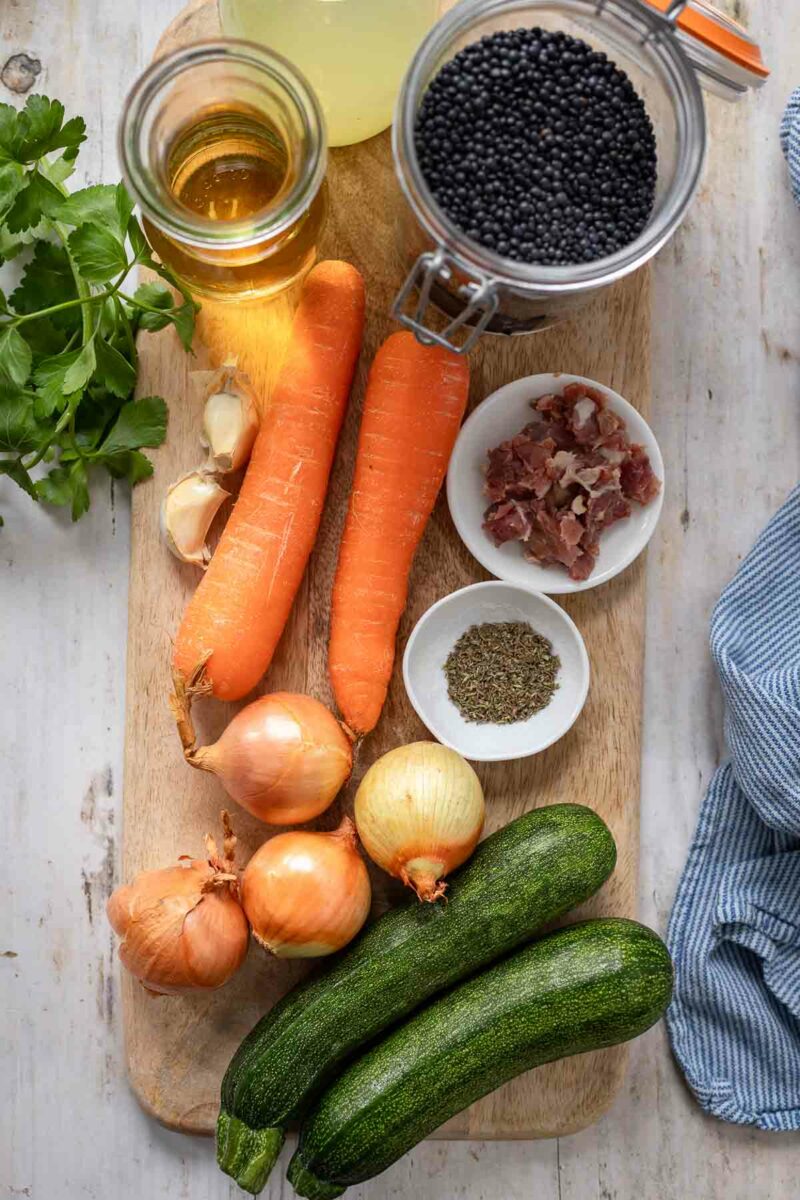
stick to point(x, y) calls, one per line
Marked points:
point(434, 636)
point(501, 416)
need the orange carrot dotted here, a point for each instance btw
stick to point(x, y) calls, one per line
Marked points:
point(416, 396)
point(235, 618)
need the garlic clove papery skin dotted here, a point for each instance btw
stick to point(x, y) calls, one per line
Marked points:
point(307, 894)
point(187, 511)
point(419, 811)
point(230, 422)
point(284, 758)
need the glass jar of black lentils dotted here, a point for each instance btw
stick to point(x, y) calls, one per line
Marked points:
point(548, 148)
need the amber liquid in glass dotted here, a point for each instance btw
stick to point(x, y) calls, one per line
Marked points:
point(233, 166)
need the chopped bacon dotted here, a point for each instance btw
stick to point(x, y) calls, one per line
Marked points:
point(605, 509)
point(609, 423)
point(584, 424)
point(638, 480)
point(568, 475)
point(546, 426)
point(508, 522)
point(518, 468)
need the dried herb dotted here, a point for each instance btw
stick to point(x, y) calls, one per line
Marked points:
point(501, 672)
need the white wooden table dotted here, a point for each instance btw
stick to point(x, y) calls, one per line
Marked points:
point(727, 414)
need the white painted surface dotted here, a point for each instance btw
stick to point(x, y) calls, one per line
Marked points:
point(727, 382)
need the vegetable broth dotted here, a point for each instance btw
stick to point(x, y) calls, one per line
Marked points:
point(354, 52)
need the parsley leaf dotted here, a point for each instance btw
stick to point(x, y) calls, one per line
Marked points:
point(114, 370)
point(16, 471)
point(184, 323)
point(41, 129)
point(15, 355)
point(12, 181)
point(103, 204)
point(9, 133)
point(140, 423)
point(47, 280)
point(124, 207)
point(183, 317)
point(57, 170)
point(97, 252)
point(55, 487)
point(48, 379)
point(155, 295)
point(80, 489)
point(80, 372)
point(44, 338)
point(138, 241)
point(129, 464)
point(96, 203)
point(19, 430)
point(39, 198)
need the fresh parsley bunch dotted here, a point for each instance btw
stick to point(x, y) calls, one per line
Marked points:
point(68, 360)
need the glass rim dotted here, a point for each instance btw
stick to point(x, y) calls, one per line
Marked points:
point(156, 202)
point(469, 255)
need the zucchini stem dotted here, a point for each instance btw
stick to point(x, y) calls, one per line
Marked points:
point(247, 1155)
point(309, 1185)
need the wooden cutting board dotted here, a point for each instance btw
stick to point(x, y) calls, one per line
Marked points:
point(178, 1048)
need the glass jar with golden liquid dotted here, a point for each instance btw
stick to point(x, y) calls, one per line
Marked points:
point(223, 146)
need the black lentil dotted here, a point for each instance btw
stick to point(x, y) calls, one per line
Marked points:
point(538, 147)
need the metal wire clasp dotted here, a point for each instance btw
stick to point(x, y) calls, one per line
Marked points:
point(667, 20)
point(479, 295)
point(674, 10)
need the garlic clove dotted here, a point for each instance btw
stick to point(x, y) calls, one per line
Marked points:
point(230, 420)
point(188, 509)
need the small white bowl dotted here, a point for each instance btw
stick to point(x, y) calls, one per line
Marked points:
point(501, 416)
point(438, 630)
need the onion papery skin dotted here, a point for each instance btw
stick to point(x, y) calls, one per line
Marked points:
point(419, 811)
point(307, 894)
point(284, 758)
point(177, 937)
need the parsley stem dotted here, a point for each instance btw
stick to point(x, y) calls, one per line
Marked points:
point(126, 325)
point(73, 438)
point(63, 421)
point(162, 312)
point(81, 286)
point(54, 308)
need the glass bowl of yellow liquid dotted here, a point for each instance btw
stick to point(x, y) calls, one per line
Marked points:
point(353, 52)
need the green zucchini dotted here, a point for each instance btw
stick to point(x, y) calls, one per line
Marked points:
point(581, 988)
point(518, 879)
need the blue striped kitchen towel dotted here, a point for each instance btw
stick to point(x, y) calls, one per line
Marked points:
point(734, 934)
point(790, 140)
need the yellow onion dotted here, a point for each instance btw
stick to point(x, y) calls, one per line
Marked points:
point(284, 757)
point(183, 928)
point(307, 894)
point(419, 812)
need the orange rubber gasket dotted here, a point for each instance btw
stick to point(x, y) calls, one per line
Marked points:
point(739, 49)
